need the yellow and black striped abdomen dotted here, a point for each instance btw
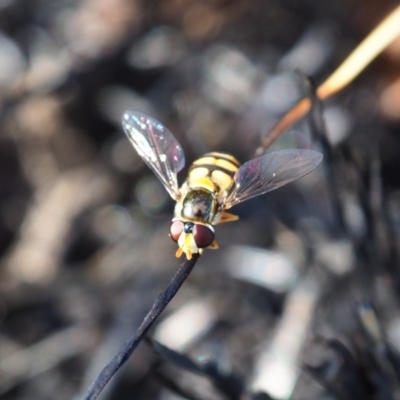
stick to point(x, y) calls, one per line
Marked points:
point(217, 167)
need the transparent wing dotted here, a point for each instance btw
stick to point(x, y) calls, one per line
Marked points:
point(157, 146)
point(270, 171)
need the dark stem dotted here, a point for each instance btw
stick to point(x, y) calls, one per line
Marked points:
point(318, 129)
point(158, 307)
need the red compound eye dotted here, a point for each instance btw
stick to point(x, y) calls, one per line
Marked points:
point(175, 230)
point(203, 236)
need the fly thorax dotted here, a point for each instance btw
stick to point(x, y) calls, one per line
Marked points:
point(199, 205)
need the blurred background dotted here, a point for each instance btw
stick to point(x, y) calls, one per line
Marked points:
point(300, 301)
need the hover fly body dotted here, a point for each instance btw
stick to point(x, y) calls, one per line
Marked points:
point(215, 182)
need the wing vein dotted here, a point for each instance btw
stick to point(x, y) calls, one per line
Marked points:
point(157, 146)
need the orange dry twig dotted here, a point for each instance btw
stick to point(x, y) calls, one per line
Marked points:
point(370, 47)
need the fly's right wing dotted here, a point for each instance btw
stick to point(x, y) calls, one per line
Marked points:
point(157, 146)
point(269, 172)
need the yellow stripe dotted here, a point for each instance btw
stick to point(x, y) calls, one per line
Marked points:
point(205, 183)
point(198, 173)
point(204, 160)
point(224, 156)
point(214, 171)
point(209, 159)
point(223, 180)
point(226, 165)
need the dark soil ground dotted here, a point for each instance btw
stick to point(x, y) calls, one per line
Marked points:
point(301, 301)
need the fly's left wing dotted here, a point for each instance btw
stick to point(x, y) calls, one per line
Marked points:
point(157, 146)
point(269, 172)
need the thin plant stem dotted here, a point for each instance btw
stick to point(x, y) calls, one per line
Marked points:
point(384, 34)
point(130, 345)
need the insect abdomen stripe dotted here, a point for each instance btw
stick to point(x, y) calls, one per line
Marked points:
point(211, 168)
point(223, 156)
point(223, 161)
point(218, 168)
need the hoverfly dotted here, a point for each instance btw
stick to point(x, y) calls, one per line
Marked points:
point(215, 182)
